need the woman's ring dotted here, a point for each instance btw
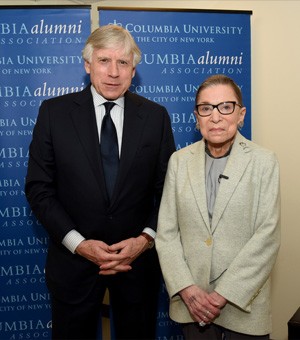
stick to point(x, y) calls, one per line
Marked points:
point(207, 313)
point(202, 323)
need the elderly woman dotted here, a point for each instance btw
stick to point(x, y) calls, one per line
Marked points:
point(218, 231)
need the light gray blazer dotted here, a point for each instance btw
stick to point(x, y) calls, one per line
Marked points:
point(235, 254)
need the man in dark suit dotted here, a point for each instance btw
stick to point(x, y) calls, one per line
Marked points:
point(101, 238)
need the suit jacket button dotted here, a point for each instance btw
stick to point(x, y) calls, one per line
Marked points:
point(208, 242)
point(110, 217)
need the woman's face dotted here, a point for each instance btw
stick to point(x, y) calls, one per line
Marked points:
point(219, 130)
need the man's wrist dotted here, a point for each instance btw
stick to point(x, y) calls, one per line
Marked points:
point(149, 239)
point(150, 232)
point(72, 240)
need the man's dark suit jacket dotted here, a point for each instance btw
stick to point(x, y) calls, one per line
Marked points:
point(65, 184)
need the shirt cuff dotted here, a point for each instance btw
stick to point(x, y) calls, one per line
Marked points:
point(72, 240)
point(150, 232)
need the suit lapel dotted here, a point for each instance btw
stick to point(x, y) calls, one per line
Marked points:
point(84, 120)
point(196, 173)
point(134, 122)
point(234, 170)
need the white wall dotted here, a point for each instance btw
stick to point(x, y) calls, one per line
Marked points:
point(275, 117)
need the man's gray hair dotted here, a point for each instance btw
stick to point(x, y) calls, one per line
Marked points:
point(111, 36)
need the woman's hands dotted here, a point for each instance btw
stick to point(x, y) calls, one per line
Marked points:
point(204, 307)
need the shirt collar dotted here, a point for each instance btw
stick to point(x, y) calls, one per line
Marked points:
point(210, 155)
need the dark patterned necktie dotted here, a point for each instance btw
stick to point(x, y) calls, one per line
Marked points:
point(109, 149)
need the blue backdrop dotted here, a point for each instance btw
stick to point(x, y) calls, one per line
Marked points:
point(40, 57)
point(179, 50)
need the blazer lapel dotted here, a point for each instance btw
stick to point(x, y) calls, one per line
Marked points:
point(234, 170)
point(196, 172)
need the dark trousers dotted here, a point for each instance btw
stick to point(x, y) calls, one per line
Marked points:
point(193, 331)
point(133, 300)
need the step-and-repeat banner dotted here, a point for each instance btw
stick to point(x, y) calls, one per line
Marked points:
point(40, 57)
point(182, 48)
point(179, 50)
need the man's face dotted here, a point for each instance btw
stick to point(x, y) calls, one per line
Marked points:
point(111, 72)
